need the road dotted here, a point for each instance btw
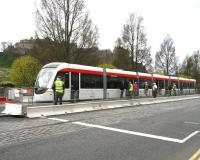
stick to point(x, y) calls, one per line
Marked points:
point(167, 131)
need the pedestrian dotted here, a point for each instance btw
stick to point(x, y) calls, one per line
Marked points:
point(130, 89)
point(154, 89)
point(181, 90)
point(126, 87)
point(174, 89)
point(146, 88)
point(170, 89)
point(135, 89)
point(122, 89)
point(58, 88)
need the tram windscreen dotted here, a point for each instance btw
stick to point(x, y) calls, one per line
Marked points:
point(44, 77)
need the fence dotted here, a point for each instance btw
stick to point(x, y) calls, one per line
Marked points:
point(17, 95)
point(25, 95)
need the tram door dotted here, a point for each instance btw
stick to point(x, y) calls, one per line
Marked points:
point(74, 86)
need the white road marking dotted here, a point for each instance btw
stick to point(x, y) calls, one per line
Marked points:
point(132, 132)
point(195, 123)
point(190, 136)
point(56, 119)
point(139, 133)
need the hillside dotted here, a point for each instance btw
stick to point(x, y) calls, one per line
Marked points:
point(5, 62)
point(4, 72)
point(4, 67)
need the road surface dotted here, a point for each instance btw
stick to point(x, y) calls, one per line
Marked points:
point(167, 131)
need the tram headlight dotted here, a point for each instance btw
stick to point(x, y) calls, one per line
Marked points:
point(40, 90)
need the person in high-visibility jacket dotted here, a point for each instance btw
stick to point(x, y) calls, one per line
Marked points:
point(130, 89)
point(174, 89)
point(58, 90)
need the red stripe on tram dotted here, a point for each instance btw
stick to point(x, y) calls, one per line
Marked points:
point(81, 71)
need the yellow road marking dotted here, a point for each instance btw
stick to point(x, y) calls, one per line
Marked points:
point(196, 155)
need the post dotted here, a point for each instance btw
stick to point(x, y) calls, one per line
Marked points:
point(138, 83)
point(179, 87)
point(152, 79)
point(104, 84)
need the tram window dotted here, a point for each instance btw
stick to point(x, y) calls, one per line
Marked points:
point(181, 85)
point(126, 82)
point(167, 83)
point(132, 80)
point(113, 82)
point(161, 84)
point(191, 85)
point(142, 82)
point(176, 83)
point(91, 81)
point(185, 85)
point(177, 86)
point(149, 81)
point(67, 80)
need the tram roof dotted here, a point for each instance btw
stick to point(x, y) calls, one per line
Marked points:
point(113, 72)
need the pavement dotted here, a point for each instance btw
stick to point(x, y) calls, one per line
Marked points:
point(38, 111)
point(167, 131)
point(2, 107)
point(47, 109)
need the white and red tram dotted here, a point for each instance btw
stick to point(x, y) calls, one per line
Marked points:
point(87, 82)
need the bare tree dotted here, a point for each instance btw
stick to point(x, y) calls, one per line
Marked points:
point(165, 59)
point(144, 53)
point(4, 45)
point(134, 40)
point(187, 66)
point(191, 65)
point(121, 58)
point(196, 61)
point(67, 23)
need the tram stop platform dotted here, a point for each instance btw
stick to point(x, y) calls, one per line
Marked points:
point(48, 109)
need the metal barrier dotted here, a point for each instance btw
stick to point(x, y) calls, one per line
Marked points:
point(17, 99)
point(198, 91)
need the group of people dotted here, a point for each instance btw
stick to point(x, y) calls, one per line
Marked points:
point(131, 89)
point(172, 89)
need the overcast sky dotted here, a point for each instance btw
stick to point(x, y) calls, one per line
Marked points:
point(178, 18)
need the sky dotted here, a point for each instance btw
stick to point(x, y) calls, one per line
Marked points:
point(178, 18)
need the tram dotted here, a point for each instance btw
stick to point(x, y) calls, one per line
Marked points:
point(87, 82)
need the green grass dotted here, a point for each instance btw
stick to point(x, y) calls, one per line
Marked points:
point(5, 64)
point(4, 74)
point(5, 61)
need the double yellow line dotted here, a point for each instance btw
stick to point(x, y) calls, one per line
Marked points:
point(196, 156)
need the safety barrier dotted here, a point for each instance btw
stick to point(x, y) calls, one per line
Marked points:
point(13, 109)
point(39, 111)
